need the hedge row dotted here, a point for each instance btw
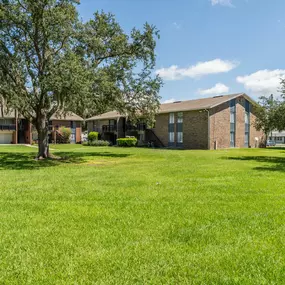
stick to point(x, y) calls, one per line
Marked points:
point(127, 142)
point(96, 143)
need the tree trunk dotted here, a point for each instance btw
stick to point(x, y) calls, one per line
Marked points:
point(42, 129)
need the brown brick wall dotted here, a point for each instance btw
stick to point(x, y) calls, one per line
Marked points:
point(220, 126)
point(240, 122)
point(195, 130)
point(161, 128)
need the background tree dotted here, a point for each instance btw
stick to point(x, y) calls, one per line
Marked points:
point(280, 111)
point(51, 62)
point(266, 119)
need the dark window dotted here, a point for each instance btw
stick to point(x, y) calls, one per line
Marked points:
point(171, 121)
point(232, 122)
point(247, 123)
point(179, 129)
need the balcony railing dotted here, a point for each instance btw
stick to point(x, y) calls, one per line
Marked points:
point(138, 127)
point(109, 128)
point(8, 127)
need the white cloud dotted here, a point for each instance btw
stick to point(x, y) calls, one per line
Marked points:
point(219, 88)
point(262, 82)
point(169, 101)
point(227, 3)
point(200, 69)
point(177, 26)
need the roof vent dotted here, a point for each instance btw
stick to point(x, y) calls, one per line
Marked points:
point(177, 101)
point(218, 96)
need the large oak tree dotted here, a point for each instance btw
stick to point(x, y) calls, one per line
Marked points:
point(51, 61)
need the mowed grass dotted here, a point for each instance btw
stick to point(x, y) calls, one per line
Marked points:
point(142, 216)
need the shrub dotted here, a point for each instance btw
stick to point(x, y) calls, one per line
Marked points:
point(127, 142)
point(92, 136)
point(66, 133)
point(96, 143)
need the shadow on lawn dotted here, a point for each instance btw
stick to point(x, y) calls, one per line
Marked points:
point(21, 161)
point(273, 163)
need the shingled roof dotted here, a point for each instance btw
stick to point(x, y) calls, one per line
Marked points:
point(189, 105)
point(69, 116)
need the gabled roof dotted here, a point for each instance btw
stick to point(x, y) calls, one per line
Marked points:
point(10, 114)
point(189, 105)
point(69, 116)
point(197, 104)
point(108, 115)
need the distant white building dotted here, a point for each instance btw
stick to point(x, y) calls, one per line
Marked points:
point(278, 137)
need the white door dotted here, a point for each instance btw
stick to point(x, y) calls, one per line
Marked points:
point(6, 138)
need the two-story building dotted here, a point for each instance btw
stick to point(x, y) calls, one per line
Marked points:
point(209, 123)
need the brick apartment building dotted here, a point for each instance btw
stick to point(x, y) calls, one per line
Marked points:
point(14, 129)
point(209, 123)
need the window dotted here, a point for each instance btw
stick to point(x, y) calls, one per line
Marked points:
point(171, 121)
point(171, 118)
point(246, 123)
point(180, 117)
point(180, 128)
point(171, 138)
point(232, 122)
point(180, 137)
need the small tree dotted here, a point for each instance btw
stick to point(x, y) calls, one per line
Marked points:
point(266, 120)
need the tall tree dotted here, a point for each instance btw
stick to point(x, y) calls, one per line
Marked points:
point(266, 119)
point(50, 61)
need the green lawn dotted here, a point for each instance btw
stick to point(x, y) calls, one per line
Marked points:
point(142, 216)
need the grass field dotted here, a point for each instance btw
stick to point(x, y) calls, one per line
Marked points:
point(142, 216)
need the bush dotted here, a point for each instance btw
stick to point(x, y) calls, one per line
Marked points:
point(127, 142)
point(66, 133)
point(96, 143)
point(92, 136)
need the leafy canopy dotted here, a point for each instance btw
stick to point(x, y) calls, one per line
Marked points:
point(51, 61)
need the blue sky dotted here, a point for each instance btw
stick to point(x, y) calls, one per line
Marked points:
point(209, 47)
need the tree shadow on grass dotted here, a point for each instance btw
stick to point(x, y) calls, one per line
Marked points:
point(273, 163)
point(22, 161)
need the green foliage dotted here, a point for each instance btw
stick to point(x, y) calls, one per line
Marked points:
point(66, 133)
point(50, 61)
point(266, 114)
point(97, 143)
point(127, 142)
point(93, 136)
